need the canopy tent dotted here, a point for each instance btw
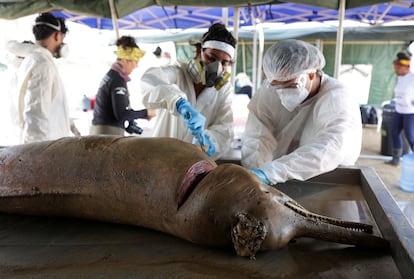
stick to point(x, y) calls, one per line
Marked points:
point(315, 32)
point(253, 12)
point(184, 17)
point(11, 9)
point(134, 15)
point(239, 14)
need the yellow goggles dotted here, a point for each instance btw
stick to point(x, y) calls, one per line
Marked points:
point(130, 53)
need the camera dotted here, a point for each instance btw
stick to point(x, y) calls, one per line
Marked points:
point(133, 128)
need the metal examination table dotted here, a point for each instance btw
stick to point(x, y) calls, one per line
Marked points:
point(37, 247)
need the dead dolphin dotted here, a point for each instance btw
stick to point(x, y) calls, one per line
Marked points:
point(163, 184)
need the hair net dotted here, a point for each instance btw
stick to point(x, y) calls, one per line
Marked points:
point(288, 59)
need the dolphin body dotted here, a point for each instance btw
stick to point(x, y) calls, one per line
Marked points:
point(163, 184)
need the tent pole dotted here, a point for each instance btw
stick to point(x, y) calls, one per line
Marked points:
point(225, 16)
point(254, 56)
point(236, 35)
point(339, 39)
point(114, 17)
point(244, 56)
point(260, 57)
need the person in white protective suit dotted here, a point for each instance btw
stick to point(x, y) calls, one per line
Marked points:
point(40, 98)
point(194, 99)
point(15, 55)
point(301, 122)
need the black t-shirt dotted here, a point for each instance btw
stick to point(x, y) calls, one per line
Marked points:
point(112, 102)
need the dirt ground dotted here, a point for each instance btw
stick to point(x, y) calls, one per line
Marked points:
point(390, 175)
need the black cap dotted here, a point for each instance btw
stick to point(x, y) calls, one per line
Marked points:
point(403, 58)
point(406, 55)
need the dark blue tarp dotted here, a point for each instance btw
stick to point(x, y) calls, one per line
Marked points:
point(12, 9)
point(180, 17)
point(384, 33)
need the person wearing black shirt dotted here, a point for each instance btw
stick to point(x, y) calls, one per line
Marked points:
point(112, 113)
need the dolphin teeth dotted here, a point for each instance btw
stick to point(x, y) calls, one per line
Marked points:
point(355, 226)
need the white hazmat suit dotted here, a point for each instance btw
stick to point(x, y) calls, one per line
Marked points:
point(162, 87)
point(296, 132)
point(318, 136)
point(40, 99)
point(16, 52)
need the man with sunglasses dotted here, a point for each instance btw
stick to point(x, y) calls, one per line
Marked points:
point(301, 122)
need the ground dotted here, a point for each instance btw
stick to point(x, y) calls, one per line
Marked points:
point(390, 175)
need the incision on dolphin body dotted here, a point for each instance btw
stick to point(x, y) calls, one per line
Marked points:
point(192, 177)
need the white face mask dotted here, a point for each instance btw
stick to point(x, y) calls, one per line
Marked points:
point(63, 51)
point(291, 98)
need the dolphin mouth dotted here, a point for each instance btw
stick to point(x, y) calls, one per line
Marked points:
point(192, 178)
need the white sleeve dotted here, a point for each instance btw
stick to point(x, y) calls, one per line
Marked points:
point(258, 140)
point(37, 102)
point(159, 89)
point(20, 49)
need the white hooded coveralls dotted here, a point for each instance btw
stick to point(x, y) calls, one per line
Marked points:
point(42, 107)
point(318, 136)
point(162, 87)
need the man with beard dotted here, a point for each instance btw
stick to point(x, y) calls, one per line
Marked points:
point(40, 98)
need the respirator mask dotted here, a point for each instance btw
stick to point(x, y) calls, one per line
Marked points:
point(63, 51)
point(212, 74)
point(292, 94)
point(291, 98)
point(209, 75)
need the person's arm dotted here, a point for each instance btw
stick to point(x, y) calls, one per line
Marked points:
point(73, 128)
point(324, 154)
point(258, 143)
point(258, 140)
point(121, 104)
point(159, 89)
point(37, 101)
point(20, 49)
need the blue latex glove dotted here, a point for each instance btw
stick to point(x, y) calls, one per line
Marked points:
point(261, 175)
point(205, 141)
point(194, 120)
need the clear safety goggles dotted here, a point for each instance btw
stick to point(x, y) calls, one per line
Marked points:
point(298, 82)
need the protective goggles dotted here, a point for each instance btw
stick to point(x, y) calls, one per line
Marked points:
point(298, 82)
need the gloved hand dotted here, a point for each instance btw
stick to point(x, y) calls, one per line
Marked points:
point(208, 145)
point(259, 173)
point(195, 121)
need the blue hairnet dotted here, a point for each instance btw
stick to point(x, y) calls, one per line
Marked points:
point(289, 58)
